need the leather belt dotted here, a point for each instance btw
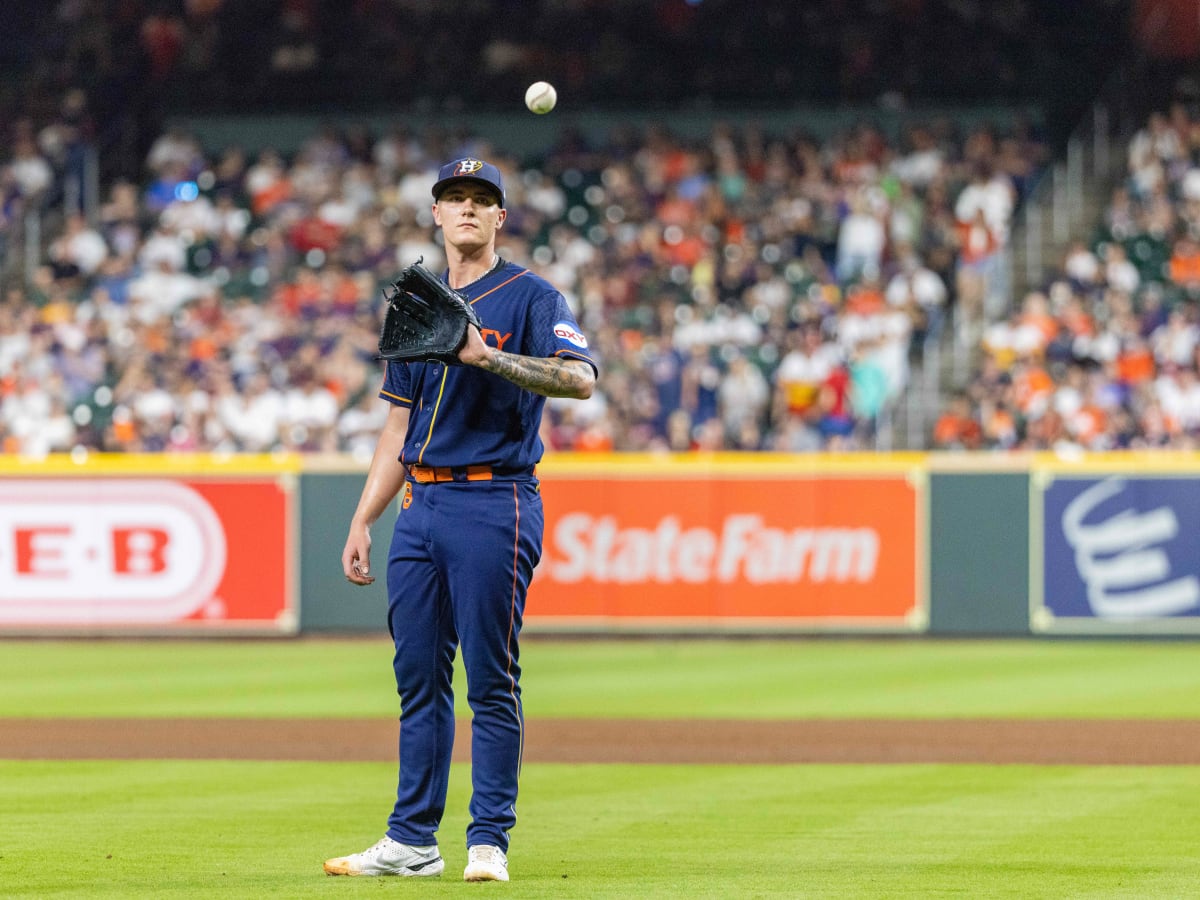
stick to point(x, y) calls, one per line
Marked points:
point(435, 474)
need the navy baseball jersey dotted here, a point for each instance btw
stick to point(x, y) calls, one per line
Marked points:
point(463, 415)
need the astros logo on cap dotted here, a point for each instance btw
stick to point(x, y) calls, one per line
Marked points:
point(468, 166)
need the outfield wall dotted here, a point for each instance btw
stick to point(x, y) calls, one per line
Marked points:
point(149, 544)
point(943, 544)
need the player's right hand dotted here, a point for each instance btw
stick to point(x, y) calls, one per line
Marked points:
point(356, 558)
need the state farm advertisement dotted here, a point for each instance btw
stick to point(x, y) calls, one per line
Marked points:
point(811, 552)
point(145, 552)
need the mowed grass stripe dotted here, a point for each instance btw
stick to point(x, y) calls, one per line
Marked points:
point(768, 679)
point(175, 829)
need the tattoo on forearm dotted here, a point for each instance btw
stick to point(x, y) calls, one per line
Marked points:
point(548, 377)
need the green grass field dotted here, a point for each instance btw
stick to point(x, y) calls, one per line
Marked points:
point(789, 679)
point(254, 829)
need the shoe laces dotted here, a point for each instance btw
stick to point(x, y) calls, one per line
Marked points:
point(486, 853)
point(380, 846)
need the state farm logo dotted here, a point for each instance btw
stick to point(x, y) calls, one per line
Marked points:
point(569, 333)
point(106, 552)
point(586, 547)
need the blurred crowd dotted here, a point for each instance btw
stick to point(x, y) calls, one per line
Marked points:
point(142, 60)
point(1104, 355)
point(306, 51)
point(746, 290)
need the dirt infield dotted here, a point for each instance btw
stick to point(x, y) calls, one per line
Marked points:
point(1088, 742)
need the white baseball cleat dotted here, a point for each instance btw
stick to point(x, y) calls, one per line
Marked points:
point(486, 863)
point(389, 857)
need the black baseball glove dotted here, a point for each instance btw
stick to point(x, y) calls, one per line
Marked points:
point(426, 319)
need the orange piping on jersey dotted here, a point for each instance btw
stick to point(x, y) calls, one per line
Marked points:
point(497, 287)
point(437, 404)
point(389, 394)
point(512, 616)
point(575, 354)
point(395, 396)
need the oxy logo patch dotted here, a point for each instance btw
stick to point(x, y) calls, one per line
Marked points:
point(567, 332)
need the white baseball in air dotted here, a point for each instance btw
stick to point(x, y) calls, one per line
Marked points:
point(540, 97)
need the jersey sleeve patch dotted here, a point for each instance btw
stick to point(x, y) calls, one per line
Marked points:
point(566, 331)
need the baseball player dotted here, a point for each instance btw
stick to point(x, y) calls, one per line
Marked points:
point(459, 446)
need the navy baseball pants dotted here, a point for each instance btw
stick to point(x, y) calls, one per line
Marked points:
point(461, 559)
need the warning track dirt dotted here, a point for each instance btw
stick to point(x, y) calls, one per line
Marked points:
point(1039, 741)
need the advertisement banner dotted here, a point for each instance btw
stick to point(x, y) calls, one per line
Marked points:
point(158, 553)
point(717, 551)
point(1118, 553)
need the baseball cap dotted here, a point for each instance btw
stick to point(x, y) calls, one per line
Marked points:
point(469, 169)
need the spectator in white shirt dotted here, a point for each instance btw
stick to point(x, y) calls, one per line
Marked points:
point(32, 173)
point(861, 240)
point(743, 395)
point(80, 245)
point(920, 292)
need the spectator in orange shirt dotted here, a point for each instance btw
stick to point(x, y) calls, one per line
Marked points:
point(999, 425)
point(1075, 317)
point(1035, 315)
point(301, 294)
point(1135, 362)
point(1184, 267)
point(1044, 431)
point(956, 428)
point(1032, 387)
